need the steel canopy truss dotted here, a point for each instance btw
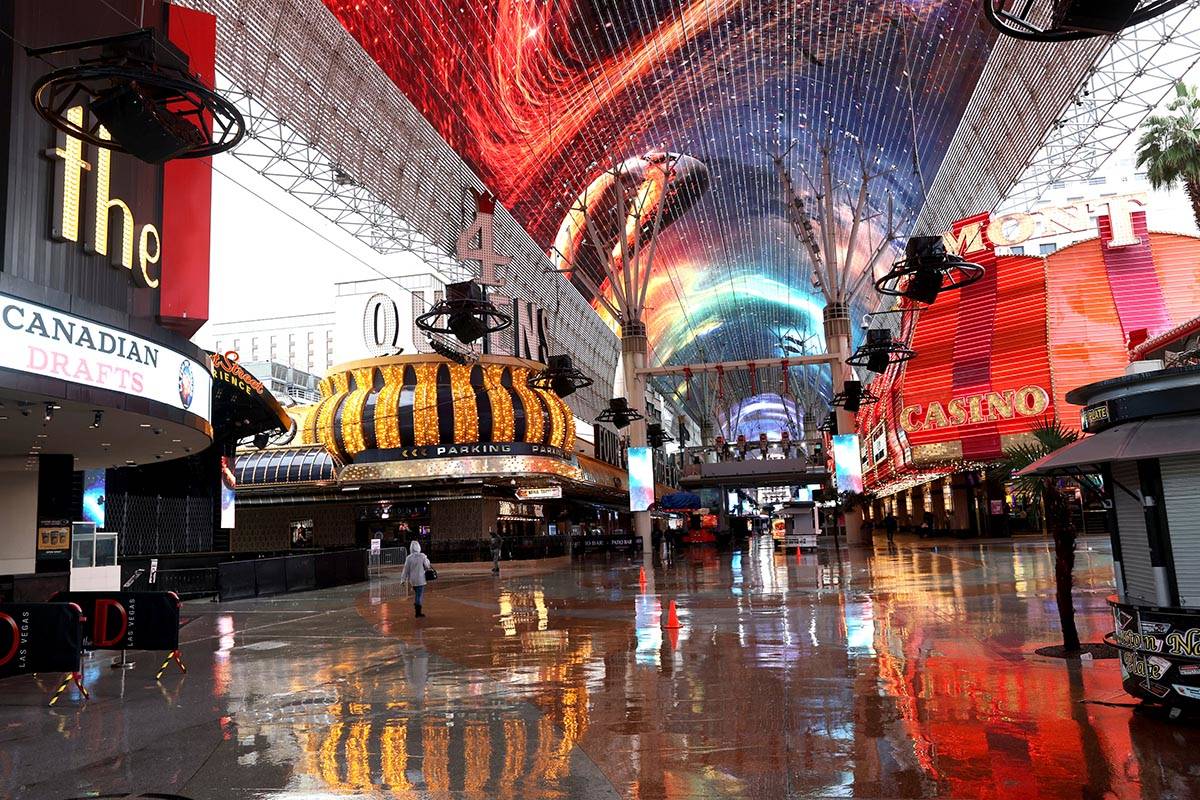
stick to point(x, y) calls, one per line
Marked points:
point(1018, 98)
point(1023, 19)
point(1127, 83)
point(327, 126)
point(280, 154)
point(1048, 112)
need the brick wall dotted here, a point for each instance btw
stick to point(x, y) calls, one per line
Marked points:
point(263, 528)
point(461, 519)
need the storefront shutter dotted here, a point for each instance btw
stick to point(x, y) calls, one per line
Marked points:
point(1181, 493)
point(1135, 546)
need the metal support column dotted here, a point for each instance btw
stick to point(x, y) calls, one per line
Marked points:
point(633, 351)
point(837, 343)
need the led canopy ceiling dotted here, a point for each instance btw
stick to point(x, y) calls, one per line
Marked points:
point(548, 100)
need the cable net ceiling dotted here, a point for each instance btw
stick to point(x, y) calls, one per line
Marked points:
point(540, 98)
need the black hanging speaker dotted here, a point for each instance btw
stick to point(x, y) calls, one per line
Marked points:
point(853, 392)
point(618, 413)
point(926, 271)
point(463, 323)
point(879, 340)
point(143, 99)
point(145, 128)
point(657, 436)
point(1072, 20)
point(468, 314)
point(560, 377)
point(1102, 17)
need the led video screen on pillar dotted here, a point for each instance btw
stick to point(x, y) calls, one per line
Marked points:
point(560, 107)
point(847, 461)
point(641, 478)
point(93, 496)
point(228, 492)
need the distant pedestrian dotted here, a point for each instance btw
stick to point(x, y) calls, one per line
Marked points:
point(890, 525)
point(414, 574)
point(496, 545)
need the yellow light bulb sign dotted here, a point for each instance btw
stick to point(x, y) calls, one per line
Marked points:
point(69, 168)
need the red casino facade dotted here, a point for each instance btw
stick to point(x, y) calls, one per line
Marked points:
point(997, 358)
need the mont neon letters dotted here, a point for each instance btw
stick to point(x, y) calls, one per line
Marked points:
point(975, 409)
point(1016, 228)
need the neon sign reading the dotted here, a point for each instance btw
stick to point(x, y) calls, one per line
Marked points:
point(68, 179)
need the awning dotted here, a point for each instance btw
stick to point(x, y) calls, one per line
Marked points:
point(285, 466)
point(242, 406)
point(1148, 438)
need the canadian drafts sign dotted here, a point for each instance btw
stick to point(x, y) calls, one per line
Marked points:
point(128, 620)
point(40, 637)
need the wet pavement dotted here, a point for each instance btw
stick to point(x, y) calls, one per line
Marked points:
point(898, 673)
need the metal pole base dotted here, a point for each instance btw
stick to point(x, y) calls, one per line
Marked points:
point(122, 663)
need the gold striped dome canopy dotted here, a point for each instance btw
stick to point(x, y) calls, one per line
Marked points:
point(403, 403)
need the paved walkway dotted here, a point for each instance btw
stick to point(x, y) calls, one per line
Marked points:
point(894, 673)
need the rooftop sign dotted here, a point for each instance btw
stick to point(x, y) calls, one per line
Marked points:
point(1013, 229)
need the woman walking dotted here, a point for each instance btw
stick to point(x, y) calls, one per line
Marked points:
point(414, 574)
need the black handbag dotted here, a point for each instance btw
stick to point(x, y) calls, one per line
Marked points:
point(430, 574)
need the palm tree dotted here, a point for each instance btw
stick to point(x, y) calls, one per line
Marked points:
point(1170, 146)
point(1049, 435)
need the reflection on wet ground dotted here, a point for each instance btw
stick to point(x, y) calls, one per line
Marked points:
point(895, 673)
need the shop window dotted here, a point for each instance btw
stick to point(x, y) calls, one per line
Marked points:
point(947, 497)
point(1047, 249)
point(928, 498)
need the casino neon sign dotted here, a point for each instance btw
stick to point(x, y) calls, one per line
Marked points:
point(976, 409)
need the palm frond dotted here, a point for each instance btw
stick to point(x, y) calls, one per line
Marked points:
point(1049, 435)
point(1169, 148)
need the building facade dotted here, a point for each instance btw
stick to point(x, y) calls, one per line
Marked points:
point(304, 342)
point(996, 359)
point(103, 278)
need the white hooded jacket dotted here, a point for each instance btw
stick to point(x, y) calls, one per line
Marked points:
point(415, 566)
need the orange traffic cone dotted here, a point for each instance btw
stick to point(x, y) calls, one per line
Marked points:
point(672, 618)
point(642, 579)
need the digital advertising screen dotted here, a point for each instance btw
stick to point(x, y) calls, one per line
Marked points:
point(228, 487)
point(641, 478)
point(601, 66)
point(93, 496)
point(847, 461)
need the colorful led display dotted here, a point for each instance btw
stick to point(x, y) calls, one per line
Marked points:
point(996, 359)
point(93, 496)
point(1154, 287)
point(541, 99)
point(982, 373)
point(641, 478)
point(847, 463)
point(228, 492)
